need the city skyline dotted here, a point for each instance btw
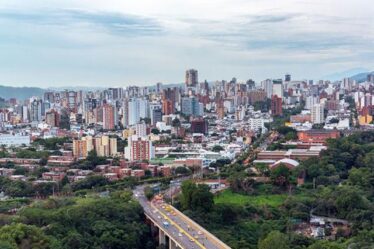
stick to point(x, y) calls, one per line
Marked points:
point(91, 43)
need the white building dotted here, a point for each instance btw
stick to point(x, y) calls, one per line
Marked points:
point(278, 90)
point(256, 124)
point(311, 101)
point(267, 85)
point(141, 129)
point(14, 140)
point(318, 115)
point(137, 108)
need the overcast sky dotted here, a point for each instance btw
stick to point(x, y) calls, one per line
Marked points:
point(127, 42)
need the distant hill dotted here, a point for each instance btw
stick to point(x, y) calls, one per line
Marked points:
point(361, 77)
point(345, 74)
point(21, 93)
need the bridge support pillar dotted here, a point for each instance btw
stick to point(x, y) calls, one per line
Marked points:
point(161, 237)
point(172, 244)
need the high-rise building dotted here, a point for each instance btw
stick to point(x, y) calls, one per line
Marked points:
point(52, 118)
point(25, 114)
point(36, 110)
point(191, 78)
point(191, 106)
point(251, 85)
point(167, 107)
point(347, 84)
point(287, 77)
point(116, 93)
point(49, 96)
point(141, 129)
point(256, 96)
point(89, 143)
point(72, 101)
point(278, 88)
point(79, 148)
point(169, 99)
point(318, 115)
point(158, 87)
point(276, 105)
point(370, 77)
point(156, 114)
point(109, 117)
point(138, 108)
point(267, 85)
point(199, 126)
point(139, 149)
point(311, 101)
point(113, 147)
point(220, 108)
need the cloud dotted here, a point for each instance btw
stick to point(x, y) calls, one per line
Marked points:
point(271, 19)
point(113, 22)
point(96, 42)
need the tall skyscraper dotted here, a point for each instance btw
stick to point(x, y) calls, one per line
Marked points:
point(191, 78)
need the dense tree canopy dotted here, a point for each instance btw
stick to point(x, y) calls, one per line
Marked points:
point(76, 223)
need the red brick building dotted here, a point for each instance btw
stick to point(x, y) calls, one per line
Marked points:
point(276, 105)
point(317, 136)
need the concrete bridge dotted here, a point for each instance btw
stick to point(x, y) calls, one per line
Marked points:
point(175, 229)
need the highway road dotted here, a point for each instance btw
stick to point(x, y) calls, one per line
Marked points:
point(182, 229)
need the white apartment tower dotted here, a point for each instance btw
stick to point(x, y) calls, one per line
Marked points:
point(318, 115)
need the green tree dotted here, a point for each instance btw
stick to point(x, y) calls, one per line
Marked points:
point(196, 197)
point(188, 188)
point(217, 148)
point(90, 182)
point(176, 122)
point(182, 171)
point(148, 192)
point(155, 131)
point(24, 236)
point(280, 175)
point(274, 240)
point(322, 244)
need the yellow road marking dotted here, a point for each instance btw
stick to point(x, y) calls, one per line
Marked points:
point(179, 228)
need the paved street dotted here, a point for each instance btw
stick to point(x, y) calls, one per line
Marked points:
point(182, 229)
